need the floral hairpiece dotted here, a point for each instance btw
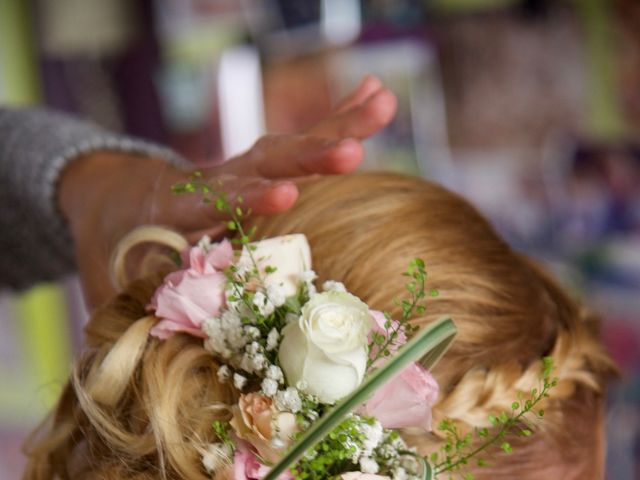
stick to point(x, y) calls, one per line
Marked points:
point(325, 382)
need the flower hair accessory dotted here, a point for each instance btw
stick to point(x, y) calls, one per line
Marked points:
point(325, 382)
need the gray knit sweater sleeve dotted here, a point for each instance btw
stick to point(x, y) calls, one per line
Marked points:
point(35, 145)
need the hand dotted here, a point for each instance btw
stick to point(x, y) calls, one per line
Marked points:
point(105, 195)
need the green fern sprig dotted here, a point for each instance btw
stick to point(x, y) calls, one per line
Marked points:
point(456, 451)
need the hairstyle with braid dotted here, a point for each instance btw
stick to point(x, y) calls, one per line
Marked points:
point(140, 408)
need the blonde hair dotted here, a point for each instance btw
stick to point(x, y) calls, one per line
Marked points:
point(136, 407)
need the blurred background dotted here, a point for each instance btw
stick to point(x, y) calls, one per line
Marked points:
point(529, 108)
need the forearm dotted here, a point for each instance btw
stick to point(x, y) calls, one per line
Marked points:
point(35, 147)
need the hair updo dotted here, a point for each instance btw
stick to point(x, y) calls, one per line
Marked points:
point(139, 408)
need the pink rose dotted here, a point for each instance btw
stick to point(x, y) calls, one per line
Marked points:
point(246, 465)
point(187, 297)
point(379, 327)
point(362, 476)
point(404, 401)
point(217, 258)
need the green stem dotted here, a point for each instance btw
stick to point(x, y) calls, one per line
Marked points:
point(405, 319)
point(443, 467)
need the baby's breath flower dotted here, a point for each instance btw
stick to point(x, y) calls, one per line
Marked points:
point(239, 381)
point(400, 474)
point(354, 448)
point(289, 400)
point(263, 304)
point(254, 347)
point(369, 465)
point(243, 271)
point(212, 326)
point(308, 276)
point(252, 332)
point(224, 372)
point(259, 362)
point(276, 295)
point(269, 387)
point(372, 434)
point(291, 317)
point(275, 373)
point(386, 451)
point(332, 285)
point(236, 338)
point(272, 339)
point(398, 444)
point(246, 363)
point(230, 320)
point(215, 342)
point(232, 297)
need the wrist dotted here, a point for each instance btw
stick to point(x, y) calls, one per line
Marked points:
point(89, 179)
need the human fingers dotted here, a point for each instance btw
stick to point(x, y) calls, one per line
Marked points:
point(189, 213)
point(359, 121)
point(283, 156)
point(369, 85)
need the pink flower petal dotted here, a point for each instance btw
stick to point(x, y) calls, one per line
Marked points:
point(166, 328)
point(404, 401)
point(221, 256)
point(246, 465)
point(185, 300)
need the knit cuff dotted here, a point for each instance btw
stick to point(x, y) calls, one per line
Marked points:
point(35, 147)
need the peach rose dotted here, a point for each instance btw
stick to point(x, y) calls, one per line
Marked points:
point(256, 420)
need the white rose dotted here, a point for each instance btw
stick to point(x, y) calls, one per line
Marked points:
point(326, 348)
point(289, 254)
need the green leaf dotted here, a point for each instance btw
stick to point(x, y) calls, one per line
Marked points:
point(427, 471)
point(418, 263)
point(428, 347)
